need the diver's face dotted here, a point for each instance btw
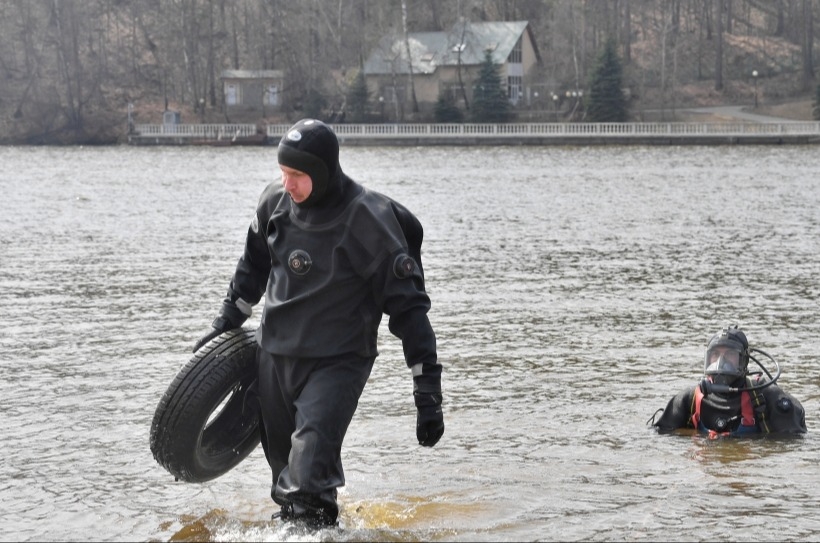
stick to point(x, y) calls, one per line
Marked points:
point(729, 356)
point(297, 183)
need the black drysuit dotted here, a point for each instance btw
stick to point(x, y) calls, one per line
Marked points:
point(774, 412)
point(328, 272)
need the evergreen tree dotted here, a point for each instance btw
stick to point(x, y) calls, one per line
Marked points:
point(357, 98)
point(815, 112)
point(446, 109)
point(490, 103)
point(606, 102)
point(314, 104)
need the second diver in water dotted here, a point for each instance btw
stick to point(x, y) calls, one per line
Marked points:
point(730, 400)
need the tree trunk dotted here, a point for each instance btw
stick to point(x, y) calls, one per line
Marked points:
point(807, 42)
point(627, 33)
point(68, 55)
point(459, 65)
point(719, 46)
point(212, 76)
point(409, 56)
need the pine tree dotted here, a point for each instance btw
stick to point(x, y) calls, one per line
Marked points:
point(490, 103)
point(314, 104)
point(357, 97)
point(606, 102)
point(446, 109)
point(816, 109)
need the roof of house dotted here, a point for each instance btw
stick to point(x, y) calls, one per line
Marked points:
point(429, 50)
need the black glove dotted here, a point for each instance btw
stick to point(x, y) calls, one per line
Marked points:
point(229, 318)
point(430, 418)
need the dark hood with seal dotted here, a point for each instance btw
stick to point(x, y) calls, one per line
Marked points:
point(311, 146)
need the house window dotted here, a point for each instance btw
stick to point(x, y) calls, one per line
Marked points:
point(232, 94)
point(272, 95)
point(451, 90)
point(515, 88)
point(515, 55)
point(393, 94)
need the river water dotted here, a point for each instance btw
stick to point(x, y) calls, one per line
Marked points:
point(574, 290)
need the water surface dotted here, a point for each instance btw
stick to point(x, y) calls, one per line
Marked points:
point(574, 290)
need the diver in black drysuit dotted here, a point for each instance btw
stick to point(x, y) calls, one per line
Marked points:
point(329, 267)
point(729, 401)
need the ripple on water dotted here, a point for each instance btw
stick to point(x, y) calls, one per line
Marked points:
point(573, 292)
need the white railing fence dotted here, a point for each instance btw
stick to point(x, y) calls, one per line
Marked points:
point(198, 131)
point(217, 132)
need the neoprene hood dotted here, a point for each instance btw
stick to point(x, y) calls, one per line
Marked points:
point(727, 355)
point(310, 146)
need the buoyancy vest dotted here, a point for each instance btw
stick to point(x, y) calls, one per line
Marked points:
point(752, 413)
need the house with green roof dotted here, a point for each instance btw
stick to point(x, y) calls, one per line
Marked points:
point(432, 64)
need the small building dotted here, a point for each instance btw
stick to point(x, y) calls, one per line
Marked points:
point(447, 62)
point(252, 93)
point(170, 118)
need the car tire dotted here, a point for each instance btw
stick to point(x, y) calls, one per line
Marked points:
point(207, 422)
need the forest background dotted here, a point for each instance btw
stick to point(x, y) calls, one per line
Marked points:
point(72, 71)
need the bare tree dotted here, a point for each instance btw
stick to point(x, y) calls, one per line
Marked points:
point(459, 46)
point(67, 50)
point(806, 46)
point(63, 62)
point(626, 38)
point(409, 57)
point(719, 45)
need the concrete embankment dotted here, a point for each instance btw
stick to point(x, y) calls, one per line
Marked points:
point(658, 133)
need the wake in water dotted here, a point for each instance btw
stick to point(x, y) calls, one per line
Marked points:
point(384, 521)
